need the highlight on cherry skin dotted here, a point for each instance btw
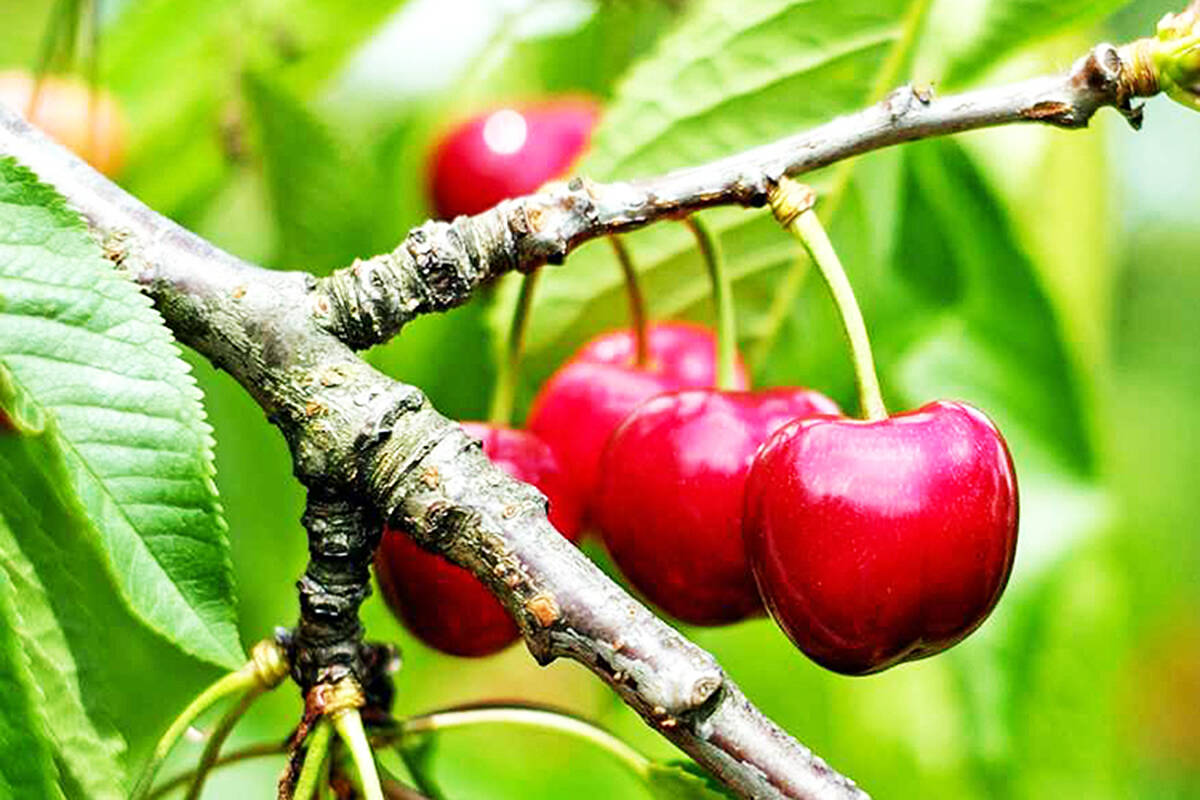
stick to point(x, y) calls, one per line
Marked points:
point(669, 500)
point(508, 152)
point(90, 123)
point(879, 542)
point(444, 605)
point(581, 405)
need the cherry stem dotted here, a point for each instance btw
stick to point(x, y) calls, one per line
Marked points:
point(267, 667)
point(314, 760)
point(234, 682)
point(637, 302)
point(349, 726)
point(710, 249)
point(212, 750)
point(536, 717)
point(509, 371)
point(793, 206)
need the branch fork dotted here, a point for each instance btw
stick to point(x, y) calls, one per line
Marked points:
point(369, 449)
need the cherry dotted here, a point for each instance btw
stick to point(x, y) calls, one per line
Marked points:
point(670, 498)
point(885, 539)
point(507, 153)
point(443, 604)
point(90, 124)
point(880, 541)
point(587, 398)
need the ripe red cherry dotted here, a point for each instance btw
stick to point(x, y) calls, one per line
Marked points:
point(670, 498)
point(877, 542)
point(507, 153)
point(584, 402)
point(443, 604)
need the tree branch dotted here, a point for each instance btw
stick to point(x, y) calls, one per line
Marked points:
point(440, 264)
point(369, 448)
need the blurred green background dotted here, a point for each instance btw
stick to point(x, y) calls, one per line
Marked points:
point(1049, 276)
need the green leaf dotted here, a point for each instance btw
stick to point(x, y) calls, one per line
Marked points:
point(1008, 25)
point(49, 553)
point(682, 780)
point(729, 77)
point(26, 767)
point(320, 194)
point(734, 75)
point(91, 352)
point(963, 315)
point(176, 65)
point(988, 332)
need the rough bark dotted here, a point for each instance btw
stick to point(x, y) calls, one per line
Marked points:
point(369, 448)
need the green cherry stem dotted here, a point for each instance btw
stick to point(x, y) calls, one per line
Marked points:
point(637, 301)
point(212, 750)
point(314, 760)
point(509, 371)
point(529, 716)
point(710, 250)
point(227, 685)
point(349, 726)
point(266, 669)
point(793, 206)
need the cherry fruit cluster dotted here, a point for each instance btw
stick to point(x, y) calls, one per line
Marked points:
point(869, 541)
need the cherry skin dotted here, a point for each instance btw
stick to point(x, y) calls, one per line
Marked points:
point(877, 542)
point(508, 152)
point(444, 605)
point(587, 398)
point(64, 111)
point(670, 498)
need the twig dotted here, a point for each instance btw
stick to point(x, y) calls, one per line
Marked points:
point(440, 264)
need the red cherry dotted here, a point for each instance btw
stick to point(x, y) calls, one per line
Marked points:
point(877, 542)
point(584, 402)
point(507, 153)
point(443, 604)
point(670, 499)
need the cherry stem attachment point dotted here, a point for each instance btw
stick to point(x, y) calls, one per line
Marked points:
point(793, 204)
point(529, 716)
point(637, 302)
point(349, 726)
point(314, 759)
point(710, 250)
point(507, 375)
